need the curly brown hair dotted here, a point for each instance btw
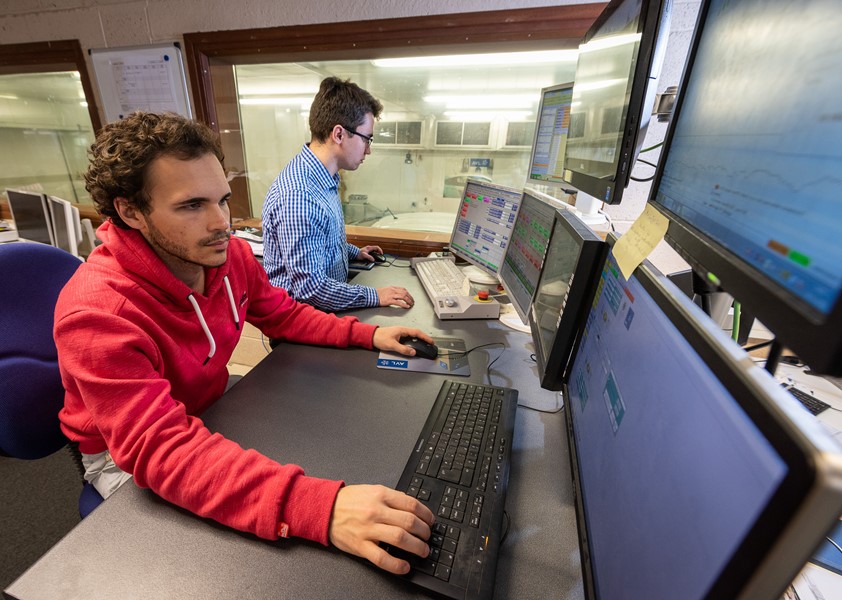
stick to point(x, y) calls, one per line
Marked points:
point(343, 103)
point(123, 151)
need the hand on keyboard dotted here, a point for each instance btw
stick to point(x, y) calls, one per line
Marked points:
point(365, 515)
point(395, 296)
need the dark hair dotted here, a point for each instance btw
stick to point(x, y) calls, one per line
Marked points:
point(123, 151)
point(340, 103)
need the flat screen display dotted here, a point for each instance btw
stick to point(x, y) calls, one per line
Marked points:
point(31, 216)
point(547, 163)
point(563, 294)
point(525, 255)
point(687, 471)
point(614, 90)
point(484, 224)
point(751, 179)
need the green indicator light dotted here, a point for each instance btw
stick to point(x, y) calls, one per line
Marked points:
point(713, 279)
point(799, 258)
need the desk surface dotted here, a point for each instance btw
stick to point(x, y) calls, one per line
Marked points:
point(336, 414)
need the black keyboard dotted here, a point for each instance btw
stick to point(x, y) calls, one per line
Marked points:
point(459, 468)
point(810, 402)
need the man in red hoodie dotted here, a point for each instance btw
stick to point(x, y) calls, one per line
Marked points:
point(145, 329)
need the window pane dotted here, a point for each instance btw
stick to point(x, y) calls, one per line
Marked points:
point(45, 132)
point(440, 124)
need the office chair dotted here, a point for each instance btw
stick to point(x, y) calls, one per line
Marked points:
point(32, 393)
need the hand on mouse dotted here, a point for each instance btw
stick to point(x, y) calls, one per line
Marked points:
point(365, 253)
point(388, 339)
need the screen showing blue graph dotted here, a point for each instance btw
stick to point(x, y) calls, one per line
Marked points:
point(755, 161)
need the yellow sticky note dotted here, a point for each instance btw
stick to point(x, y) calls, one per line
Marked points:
point(640, 240)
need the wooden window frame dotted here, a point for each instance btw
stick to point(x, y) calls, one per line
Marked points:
point(210, 57)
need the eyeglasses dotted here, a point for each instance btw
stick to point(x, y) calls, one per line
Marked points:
point(368, 138)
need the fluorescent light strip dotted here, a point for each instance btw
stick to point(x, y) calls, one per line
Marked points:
point(509, 115)
point(470, 60)
point(488, 101)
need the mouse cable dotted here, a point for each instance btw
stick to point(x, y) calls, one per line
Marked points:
point(408, 264)
point(542, 410)
point(463, 353)
point(389, 263)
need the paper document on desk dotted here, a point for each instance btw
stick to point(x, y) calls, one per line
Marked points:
point(452, 359)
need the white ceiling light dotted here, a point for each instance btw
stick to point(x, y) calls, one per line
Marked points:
point(509, 115)
point(471, 60)
point(489, 101)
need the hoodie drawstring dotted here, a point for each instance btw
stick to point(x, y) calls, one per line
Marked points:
point(204, 323)
point(231, 302)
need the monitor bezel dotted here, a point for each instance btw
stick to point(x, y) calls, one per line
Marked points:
point(544, 92)
point(774, 550)
point(44, 208)
point(797, 325)
point(653, 27)
point(553, 365)
point(464, 255)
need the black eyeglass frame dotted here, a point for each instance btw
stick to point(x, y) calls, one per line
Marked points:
point(368, 138)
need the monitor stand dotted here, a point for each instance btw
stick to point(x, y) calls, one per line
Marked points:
point(588, 207)
point(477, 275)
point(512, 320)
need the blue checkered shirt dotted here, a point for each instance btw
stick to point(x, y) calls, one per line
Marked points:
point(304, 246)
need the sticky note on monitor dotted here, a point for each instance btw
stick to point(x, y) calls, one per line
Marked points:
point(639, 241)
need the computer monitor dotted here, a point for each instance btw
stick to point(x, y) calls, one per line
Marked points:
point(484, 226)
point(563, 295)
point(31, 216)
point(695, 474)
point(751, 180)
point(524, 258)
point(63, 219)
point(547, 162)
point(619, 63)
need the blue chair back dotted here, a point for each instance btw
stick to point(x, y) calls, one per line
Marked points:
point(31, 393)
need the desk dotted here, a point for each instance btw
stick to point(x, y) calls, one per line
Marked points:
point(334, 413)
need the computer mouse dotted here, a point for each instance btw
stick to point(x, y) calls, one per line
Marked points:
point(377, 256)
point(422, 348)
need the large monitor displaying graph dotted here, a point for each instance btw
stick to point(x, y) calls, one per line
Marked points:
point(547, 163)
point(751, 181)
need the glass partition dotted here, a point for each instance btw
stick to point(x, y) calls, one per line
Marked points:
point(45, 132)
point(445, 118)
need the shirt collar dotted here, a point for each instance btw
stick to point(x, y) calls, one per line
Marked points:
point(319, 170)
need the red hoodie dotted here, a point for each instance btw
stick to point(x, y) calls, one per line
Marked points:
point(139, 361)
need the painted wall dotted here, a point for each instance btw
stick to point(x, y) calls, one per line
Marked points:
point(116, 23)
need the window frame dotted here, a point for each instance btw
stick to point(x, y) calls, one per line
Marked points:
point(211, 56)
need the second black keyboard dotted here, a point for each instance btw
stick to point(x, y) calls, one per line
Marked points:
point(459, 468)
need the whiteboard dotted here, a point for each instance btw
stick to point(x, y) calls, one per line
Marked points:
point(147, 78)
